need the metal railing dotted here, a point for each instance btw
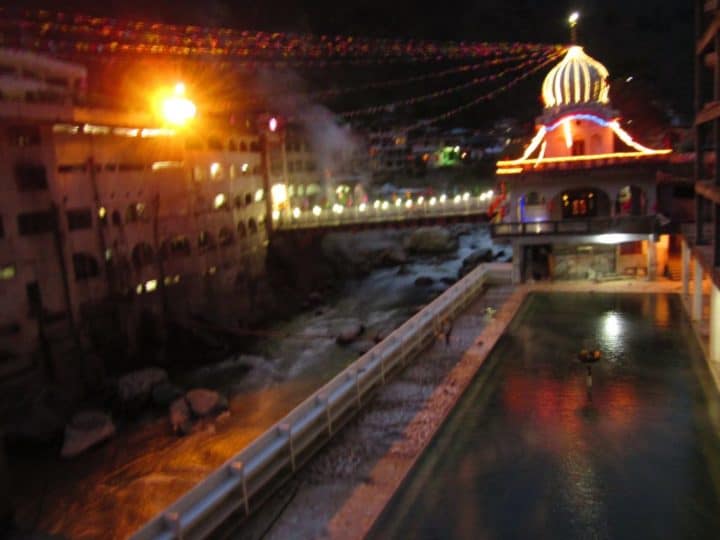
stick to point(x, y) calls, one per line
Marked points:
point(623, 224)
point(379, 214)
point(243, 482)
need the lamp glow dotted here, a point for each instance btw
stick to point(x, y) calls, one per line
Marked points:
point(177, 109)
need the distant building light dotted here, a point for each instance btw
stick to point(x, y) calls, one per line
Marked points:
point(102, 212)
point(219, 200)
point(7, 271)
point(259, 194)
point(139, 288)
point(244, 167)
point(159, 165)
point(151, 285)
point(273, 124)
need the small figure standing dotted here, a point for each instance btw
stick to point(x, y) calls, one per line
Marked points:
point(447, 330)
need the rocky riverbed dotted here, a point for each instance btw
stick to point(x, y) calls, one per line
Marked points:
point(185, 423)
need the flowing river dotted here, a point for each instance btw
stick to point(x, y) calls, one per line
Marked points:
point(110, 491)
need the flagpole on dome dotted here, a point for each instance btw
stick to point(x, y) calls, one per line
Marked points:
point(573, 20)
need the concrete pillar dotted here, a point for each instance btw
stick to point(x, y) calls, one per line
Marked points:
point(697, 304)
point(714, 324)
point(651, 259)
point(518, 262)
point(685, 268)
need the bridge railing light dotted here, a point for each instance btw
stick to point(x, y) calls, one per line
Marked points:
point(296, 212)
point(362, 207)
point(432, 201)
point(457, 199)
point(385, 205)
point(316, 211)
point(421, 200)
point(466, 196)
point(443, 198)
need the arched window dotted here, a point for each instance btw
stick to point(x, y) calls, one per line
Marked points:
point(254, 146)
point(241, 229)
point(116, 219)
point(85, 266)
point(252, 225)
point(232, 147)
point(226, 236)
point(142, 255)
point(248, 198)
point(239, 201)
point(131, 214)
point(243, 146)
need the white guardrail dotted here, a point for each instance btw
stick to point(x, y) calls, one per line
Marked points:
point(338, 216)
point(243, 482)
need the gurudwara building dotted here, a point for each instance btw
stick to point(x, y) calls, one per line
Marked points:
point(581, 200)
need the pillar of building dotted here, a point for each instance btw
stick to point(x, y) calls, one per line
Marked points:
point(685, 268)
point(714, 324)
point(697, 304)
point(518, 262)
point(651, 259)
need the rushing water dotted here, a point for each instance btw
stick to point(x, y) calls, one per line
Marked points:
point(530, 453)
point(112, 490)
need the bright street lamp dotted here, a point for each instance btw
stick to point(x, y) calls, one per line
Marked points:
point(177, 109)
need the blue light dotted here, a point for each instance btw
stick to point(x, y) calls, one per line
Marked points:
point(591, 117)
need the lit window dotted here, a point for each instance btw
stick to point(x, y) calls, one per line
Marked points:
point(7, 271)
point(151, 285)
point(219, 201)
point(215, 171)
point(259, 194)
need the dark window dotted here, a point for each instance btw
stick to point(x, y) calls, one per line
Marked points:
point(226, 237)
point(36, 222)
point(254, 146)
point(9, 329)
point(232, 147)
point(684, 191)
point(79, 219)
point(30, 177)
point(239, 203)
point(248, 198)
point(243, 147)
point(205, 240)
point(142, 255)
point(128, 167)
point(24, 135)
point(180, 245)
point(116, 219)
point(32, 291)
point(252, 225)
point(242, 231)
point(85, 265)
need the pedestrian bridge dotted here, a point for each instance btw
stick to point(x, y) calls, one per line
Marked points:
point(420, 211)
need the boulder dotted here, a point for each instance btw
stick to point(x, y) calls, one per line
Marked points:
point(179, 413)
point(135, 388)
point(431, 240)
point(448, 280)
point(204, 402)
point(362, 346)
point(86, 429)
point(165, 393)
point(382, 334)
point(424, 281)
point(349, 333)
point(393, 256)
point(476, 257)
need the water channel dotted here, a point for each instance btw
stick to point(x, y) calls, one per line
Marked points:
point(531, 453)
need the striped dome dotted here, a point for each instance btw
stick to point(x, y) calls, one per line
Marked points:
point(577, 79)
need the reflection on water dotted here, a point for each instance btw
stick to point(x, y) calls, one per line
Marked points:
point(533, 453)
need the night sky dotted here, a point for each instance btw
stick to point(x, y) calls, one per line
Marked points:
point(652, 40)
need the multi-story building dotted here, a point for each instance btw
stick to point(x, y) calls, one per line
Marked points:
point(111, 222)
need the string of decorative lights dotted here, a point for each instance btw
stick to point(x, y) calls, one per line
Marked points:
point(419, 78)
point(445, 91)
point(484, 97)
point(97, 35)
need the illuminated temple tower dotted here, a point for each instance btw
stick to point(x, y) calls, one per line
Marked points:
point(580, 169)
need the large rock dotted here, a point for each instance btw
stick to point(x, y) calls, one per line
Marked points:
point(349, 333)
point(179, 413)
point(86, 429)
point(134, 388)
point(424, 281)
point(476, 257)
point(431, 240)
point(204, 402)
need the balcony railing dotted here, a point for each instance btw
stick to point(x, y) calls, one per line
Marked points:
point(623, 224)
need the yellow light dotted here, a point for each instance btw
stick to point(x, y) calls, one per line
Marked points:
point(385, 205)
point(421, 199)
point(296, 212)
point(259, 194)
point(151, 285)
point(219, 200)
point(408, 203)
point(102, 212)
point(625, 137)
point(139, 288)
point(541, 156)
point(158, 165)
point(316, 211)
point(511, 170)
point(279, 194)
point(574, 17)
point(362, 207)
point(376, 204)
point(398, 203)
point(178, 110)
point(568, 133)
point(457, 199)
point(244, 167)
point(443, 198)
point(433, 201)
point(579, 158)
point(180, 89)
point(276, 215)
point(466, 196)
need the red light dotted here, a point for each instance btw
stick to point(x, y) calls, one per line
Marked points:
point(273, 124)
